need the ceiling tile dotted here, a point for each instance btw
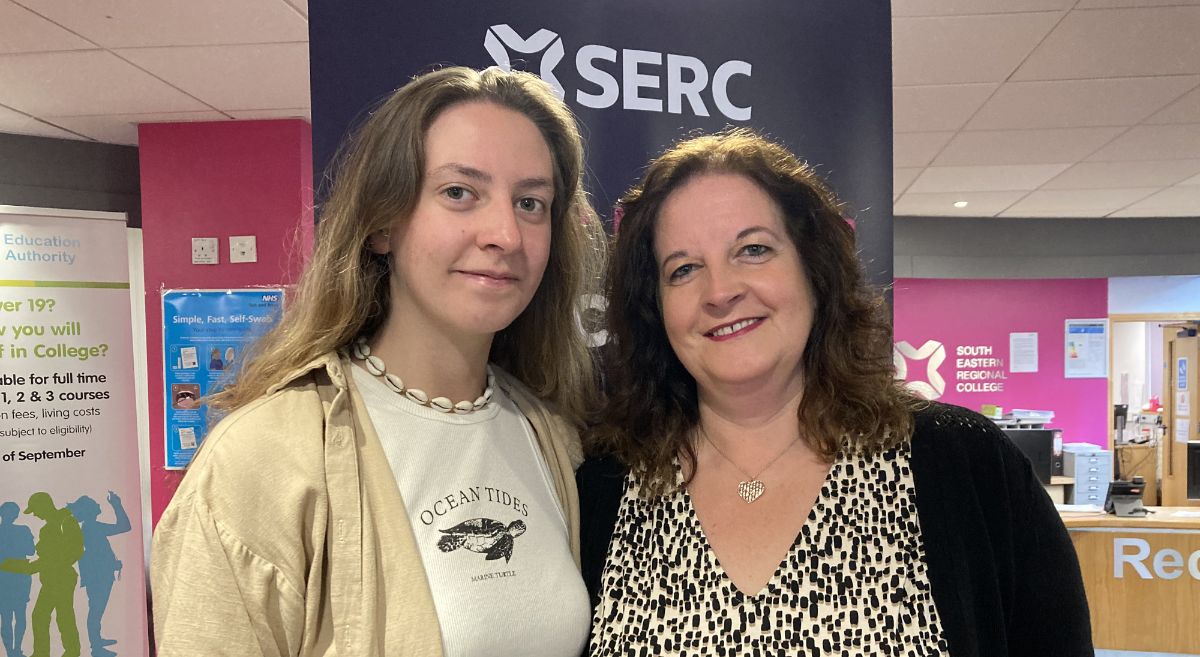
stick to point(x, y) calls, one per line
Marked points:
point(1076, 203)
point(1194, 180)
point(941, 107)
point(979, 204)
point(22, 30)
point(1118, 43)
point(962, 7)
point(293, 113)
point(138, 23)
point(1101, 4)
point(1108, 175)
point(916, 149)
point(1184, 110)
point(902, 177)
point(946, 50)
point(1153, 142)
point(1069, 213)
point(1171, 202)
point(1078, 103)
point(1024, 146)
point(202, 71)
point(122, 128)
point(1136, 213)
point(16, 123)
point(300, 5)
point(1008, 177)
point(85, 82)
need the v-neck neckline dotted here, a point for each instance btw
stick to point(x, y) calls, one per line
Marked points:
point(804, 534)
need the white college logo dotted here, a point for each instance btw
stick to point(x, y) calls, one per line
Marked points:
point(933, 353)
point(687, 78)
point(589, 313)
point(500, 36)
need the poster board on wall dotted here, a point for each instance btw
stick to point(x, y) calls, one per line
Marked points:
point(205, 335)
point(70, 486)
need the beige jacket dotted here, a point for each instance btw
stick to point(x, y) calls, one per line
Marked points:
point(288, 535)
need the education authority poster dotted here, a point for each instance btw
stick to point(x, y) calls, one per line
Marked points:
point(71, 564)
point(205, 333)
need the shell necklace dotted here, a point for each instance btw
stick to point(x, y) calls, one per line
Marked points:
point(752, 487)
point(376, 366)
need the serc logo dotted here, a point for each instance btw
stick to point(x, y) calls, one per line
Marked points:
point(687, 77)
point(501, 38)
point(933, 353)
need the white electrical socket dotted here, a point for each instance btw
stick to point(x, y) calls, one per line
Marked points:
point(204, 251)
point(243, 248)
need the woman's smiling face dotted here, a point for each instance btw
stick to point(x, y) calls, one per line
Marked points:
point(736, 304)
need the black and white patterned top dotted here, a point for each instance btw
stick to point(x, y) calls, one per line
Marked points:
point(855, 581)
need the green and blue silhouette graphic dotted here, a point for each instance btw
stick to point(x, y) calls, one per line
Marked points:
point(16, 542)
point(99, 566)
point(70, 537)
point(59, 546)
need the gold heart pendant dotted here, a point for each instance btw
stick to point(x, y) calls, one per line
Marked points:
point(751, 490)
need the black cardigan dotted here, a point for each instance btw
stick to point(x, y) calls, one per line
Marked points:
point(1004, 573)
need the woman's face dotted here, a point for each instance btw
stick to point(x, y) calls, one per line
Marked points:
point(471, 256)
point(737, 306)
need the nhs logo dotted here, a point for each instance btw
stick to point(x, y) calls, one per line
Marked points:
point(627, 75)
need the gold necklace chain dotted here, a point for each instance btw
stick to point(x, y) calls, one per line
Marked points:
point(752, 488)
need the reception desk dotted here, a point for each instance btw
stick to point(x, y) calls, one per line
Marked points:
point(1142, 577)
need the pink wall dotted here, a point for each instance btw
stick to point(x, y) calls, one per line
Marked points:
point(215, 180)
point(982, 313)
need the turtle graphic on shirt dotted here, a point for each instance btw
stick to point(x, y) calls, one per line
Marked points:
point(482, 535)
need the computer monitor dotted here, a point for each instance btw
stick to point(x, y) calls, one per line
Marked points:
point(1038, 446)
point(1193, 471)
point(1056, 467)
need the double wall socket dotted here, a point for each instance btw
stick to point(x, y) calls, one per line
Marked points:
point(204, 251)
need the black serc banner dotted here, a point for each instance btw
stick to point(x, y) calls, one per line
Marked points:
point(813, 74)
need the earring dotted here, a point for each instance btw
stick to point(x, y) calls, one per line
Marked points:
point(380, 242)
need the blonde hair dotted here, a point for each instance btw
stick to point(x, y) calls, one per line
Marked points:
point(344, 292)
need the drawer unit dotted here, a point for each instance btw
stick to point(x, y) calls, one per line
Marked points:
point(1092, 470)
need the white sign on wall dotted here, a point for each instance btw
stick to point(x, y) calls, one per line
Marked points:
point(1022, 352)
point(1085, 349)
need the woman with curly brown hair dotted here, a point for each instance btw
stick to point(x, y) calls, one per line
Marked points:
point(762, 484)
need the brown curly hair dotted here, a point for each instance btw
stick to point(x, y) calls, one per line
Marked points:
point(851, 399)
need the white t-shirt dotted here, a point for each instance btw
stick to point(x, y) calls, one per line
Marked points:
point(492, 535)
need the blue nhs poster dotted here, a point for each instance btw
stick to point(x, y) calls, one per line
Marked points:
point(205, 334)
